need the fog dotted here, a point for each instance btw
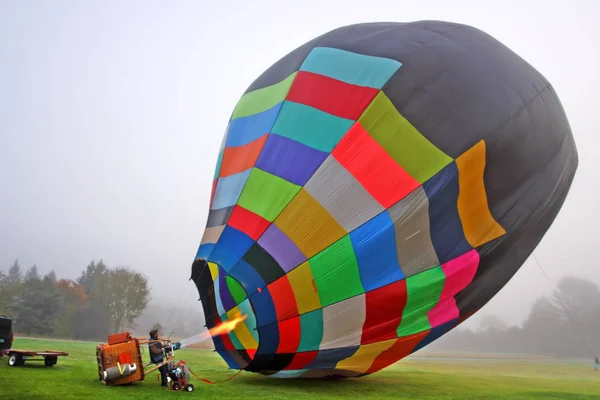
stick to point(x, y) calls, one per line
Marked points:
point(112, 114)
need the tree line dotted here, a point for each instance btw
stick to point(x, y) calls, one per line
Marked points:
point(565, 323)
point(100, 301)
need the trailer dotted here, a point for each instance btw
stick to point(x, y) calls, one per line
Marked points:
point(18, 357)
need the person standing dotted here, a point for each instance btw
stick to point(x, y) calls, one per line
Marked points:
point(157, 356)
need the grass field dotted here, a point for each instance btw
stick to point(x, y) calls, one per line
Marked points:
point(75, 377)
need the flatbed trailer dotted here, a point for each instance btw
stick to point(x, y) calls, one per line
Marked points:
point(18, 357)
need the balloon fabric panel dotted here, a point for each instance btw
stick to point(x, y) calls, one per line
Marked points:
point(351, 216)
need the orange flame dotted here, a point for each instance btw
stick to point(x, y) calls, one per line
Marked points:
point(227, 326)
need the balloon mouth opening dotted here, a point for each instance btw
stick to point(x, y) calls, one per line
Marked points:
point(237, 327)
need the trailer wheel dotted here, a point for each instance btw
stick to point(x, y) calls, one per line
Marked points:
point(15, 360)
point(176, 386)
point(49, 361)
point(189, 387)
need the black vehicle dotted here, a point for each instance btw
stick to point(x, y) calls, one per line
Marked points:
point(6, 333)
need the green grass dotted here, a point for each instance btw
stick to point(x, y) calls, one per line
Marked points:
point(75, 377)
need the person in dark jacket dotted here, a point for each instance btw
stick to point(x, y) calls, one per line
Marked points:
point(157, 356)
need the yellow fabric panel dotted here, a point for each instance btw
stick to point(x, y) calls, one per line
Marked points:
point(214, 270)
point(241, 330)
point(364, 356)
point(478, 223)
point(305, 290)
point(308, 224)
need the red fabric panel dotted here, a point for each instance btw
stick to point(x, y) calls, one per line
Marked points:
point(214, 190)
point(283, 298)
point(289, 335)
point(246, 221)
point(301, 360)
point(403, 347)
point(384, 312)
point(251, 353)
point(373, 167)
point(241, 158)
point(330, 95)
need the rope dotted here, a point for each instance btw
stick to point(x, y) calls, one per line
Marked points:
point(206, 380)
point(557, 294)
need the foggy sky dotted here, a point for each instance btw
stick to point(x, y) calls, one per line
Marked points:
point(112, 114)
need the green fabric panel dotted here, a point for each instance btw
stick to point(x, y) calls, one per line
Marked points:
point(236, 290)
point(221, 153)
point(310, 126)
point(266, 194)
point(422, 294)
point(402, 141)
point(336, 273)
point(262, 99)
point(311, 330)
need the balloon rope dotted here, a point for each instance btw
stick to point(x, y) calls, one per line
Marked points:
point(210, 382)
point(562, 304)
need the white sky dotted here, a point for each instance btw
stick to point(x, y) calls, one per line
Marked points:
point(112, 113)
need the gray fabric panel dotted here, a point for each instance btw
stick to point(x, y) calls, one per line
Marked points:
point(219, 217)
point(410, 217)
point(342, 195)
point(211, 235)
point(343, 323)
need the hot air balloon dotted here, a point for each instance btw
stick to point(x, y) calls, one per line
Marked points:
point(375, 187)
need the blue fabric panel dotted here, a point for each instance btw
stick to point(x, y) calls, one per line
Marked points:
point(247, 277)
point(353, 68)
point(226, 297)
point(329, 358)
point(288, 374)
point(204, 250)
point(447, 235)
point(374, 244)
point(264, 308)
point(219, 300)
point(435, 334)
point(232, 246)
point(229, 359)
point(311, 127)
point(289, 159)
point(229, 189)
point(269, 339)
point(218, 342)
point(244, 130)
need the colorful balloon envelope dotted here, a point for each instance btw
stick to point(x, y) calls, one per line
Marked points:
point(375, 187)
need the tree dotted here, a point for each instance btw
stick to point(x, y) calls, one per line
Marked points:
point(116, 297)
point(72, 300)
point(38, 304)
point(128, 295)
point(14, 273)
point(92, 275)
point(10, 286)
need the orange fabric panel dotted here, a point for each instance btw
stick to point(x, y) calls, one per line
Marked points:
point(478, 223)
point(240, 158)
point(403, 347)
point(308, 224)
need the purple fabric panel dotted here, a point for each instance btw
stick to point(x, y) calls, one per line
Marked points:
point(281, 248)
point(289, 159)
point(226, 297)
